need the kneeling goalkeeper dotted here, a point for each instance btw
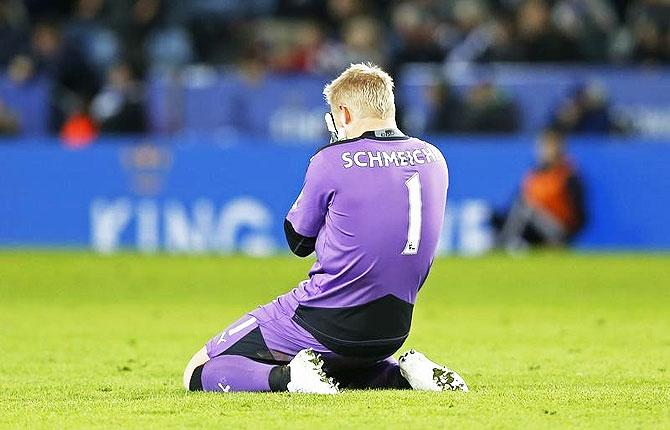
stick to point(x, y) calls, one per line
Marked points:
point(371, 207)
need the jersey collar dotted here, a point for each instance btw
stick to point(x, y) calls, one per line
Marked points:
point(384, 134)
point(381, 134)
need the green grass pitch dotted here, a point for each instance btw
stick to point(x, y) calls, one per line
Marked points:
point(547, 341)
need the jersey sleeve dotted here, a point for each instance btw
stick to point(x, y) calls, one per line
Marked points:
point(308, 213)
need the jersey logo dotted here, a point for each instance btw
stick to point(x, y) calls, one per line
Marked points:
point(225, 389)
point(236, 329)
point(388, 132)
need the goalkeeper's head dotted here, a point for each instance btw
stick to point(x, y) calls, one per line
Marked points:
point(360, 99)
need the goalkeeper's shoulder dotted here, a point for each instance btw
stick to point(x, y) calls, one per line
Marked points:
point(323, 164)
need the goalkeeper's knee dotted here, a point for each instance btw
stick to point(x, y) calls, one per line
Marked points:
point(191, 379)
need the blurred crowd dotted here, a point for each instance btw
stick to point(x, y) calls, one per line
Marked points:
point(99, 51)
point(485, 109)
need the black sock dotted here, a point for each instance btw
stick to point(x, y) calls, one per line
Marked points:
point(399, 382)
point(279, 378)
point(196, 379)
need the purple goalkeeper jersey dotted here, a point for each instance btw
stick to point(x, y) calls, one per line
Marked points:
point(376, 206)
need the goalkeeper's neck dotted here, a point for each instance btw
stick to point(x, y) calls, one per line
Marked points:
point(357, 128)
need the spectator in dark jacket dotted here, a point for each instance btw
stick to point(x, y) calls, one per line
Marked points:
point(446, 109)
point(540, 40)
point(9, 124)
point(119, 107)
point(489, 110)
point(586, 111)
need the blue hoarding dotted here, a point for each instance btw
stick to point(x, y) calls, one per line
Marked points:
point(215, 197)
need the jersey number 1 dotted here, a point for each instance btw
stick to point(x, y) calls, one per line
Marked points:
point(414, 225)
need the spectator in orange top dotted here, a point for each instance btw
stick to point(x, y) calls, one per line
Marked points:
point(79, 130)
point(550, 210)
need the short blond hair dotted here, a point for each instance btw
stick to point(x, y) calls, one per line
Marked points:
point(365, 88)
